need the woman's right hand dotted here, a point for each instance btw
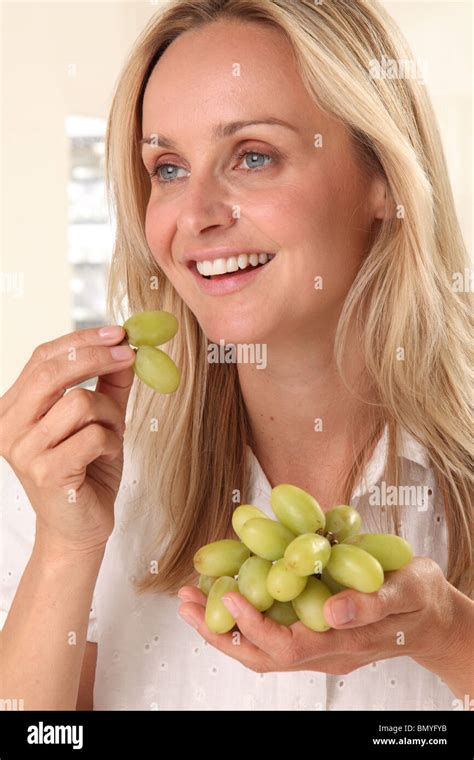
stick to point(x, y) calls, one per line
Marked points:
point(67, 448)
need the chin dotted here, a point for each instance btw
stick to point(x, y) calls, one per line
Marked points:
point(232, 330)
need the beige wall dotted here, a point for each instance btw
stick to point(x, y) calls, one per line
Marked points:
point(39, 42)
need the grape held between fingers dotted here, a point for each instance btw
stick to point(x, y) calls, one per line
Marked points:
point(150, 328)
point(154, 367)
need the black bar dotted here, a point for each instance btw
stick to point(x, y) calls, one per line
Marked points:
point(378, 734)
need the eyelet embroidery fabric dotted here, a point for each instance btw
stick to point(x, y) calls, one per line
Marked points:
point(150, 659)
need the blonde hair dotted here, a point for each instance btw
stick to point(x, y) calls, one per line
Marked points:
point(402, 295)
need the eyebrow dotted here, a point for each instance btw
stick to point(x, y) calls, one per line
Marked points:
point(219, 132)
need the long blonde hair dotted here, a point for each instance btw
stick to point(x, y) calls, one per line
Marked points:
point(192, 445)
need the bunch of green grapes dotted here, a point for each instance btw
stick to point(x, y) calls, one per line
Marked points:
point(146, 330)
point(288, 568)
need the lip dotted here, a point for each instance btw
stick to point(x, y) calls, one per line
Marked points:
point(228, 283)
point(211, 254)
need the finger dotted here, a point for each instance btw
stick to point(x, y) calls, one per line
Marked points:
point(288, 649)
point(233, 644)
point(402, 592)
point(192, 594)
point(262, 631)
point(75, 410)
point(66, 464)
point(49, 380)
point(107, 335)
point(117, 386)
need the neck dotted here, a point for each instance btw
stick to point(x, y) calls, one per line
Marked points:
point(306, 425)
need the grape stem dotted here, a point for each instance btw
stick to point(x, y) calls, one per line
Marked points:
point(331, 537)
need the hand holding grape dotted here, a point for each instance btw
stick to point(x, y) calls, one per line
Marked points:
point(67, 448)
point(348, 613)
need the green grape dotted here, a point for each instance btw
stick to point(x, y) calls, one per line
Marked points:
point(355, 568)
point(283, 584)
point(393, 552)
point(218, 618)
point(308, 554)
point(242, 514)
point(205, 582)
point(343, 521)
point(266, 538)
point(297, 509)
point(150, 328)
point(253, 582)
point(223, 557)
point(282, 613)
point(332, 585)
point(155, 368)
point(309, 605)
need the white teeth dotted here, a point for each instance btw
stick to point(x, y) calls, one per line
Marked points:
point(232, 264)
point(219, 266)
point(204, 268)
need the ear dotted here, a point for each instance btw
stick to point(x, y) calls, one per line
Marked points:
point(378, 198)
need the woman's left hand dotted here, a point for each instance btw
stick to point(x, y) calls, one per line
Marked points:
point(416, 612)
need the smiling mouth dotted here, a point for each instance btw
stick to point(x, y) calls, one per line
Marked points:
point(232, 266)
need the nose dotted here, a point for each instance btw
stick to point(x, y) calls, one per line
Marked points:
point(205, 203)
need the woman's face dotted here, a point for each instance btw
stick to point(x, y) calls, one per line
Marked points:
point(296, 192)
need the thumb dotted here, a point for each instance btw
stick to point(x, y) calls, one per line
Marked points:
point(352, 608)
point(349, 609)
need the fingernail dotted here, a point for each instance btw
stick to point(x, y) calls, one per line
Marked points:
point(189, 619)
point(111, 331)
point(343, 611)
point(120, 353)
point(183, 595)
point(231, 606)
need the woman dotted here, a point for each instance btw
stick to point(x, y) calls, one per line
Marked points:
point(214, 157)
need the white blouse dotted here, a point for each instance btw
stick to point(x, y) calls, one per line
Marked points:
point(150, 659)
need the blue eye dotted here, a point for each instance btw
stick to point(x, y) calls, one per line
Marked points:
point(156, 172)
point(254, 154)
point(168, 177)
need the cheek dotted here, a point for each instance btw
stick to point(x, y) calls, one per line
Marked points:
point(331, 216)
point(315, 212)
